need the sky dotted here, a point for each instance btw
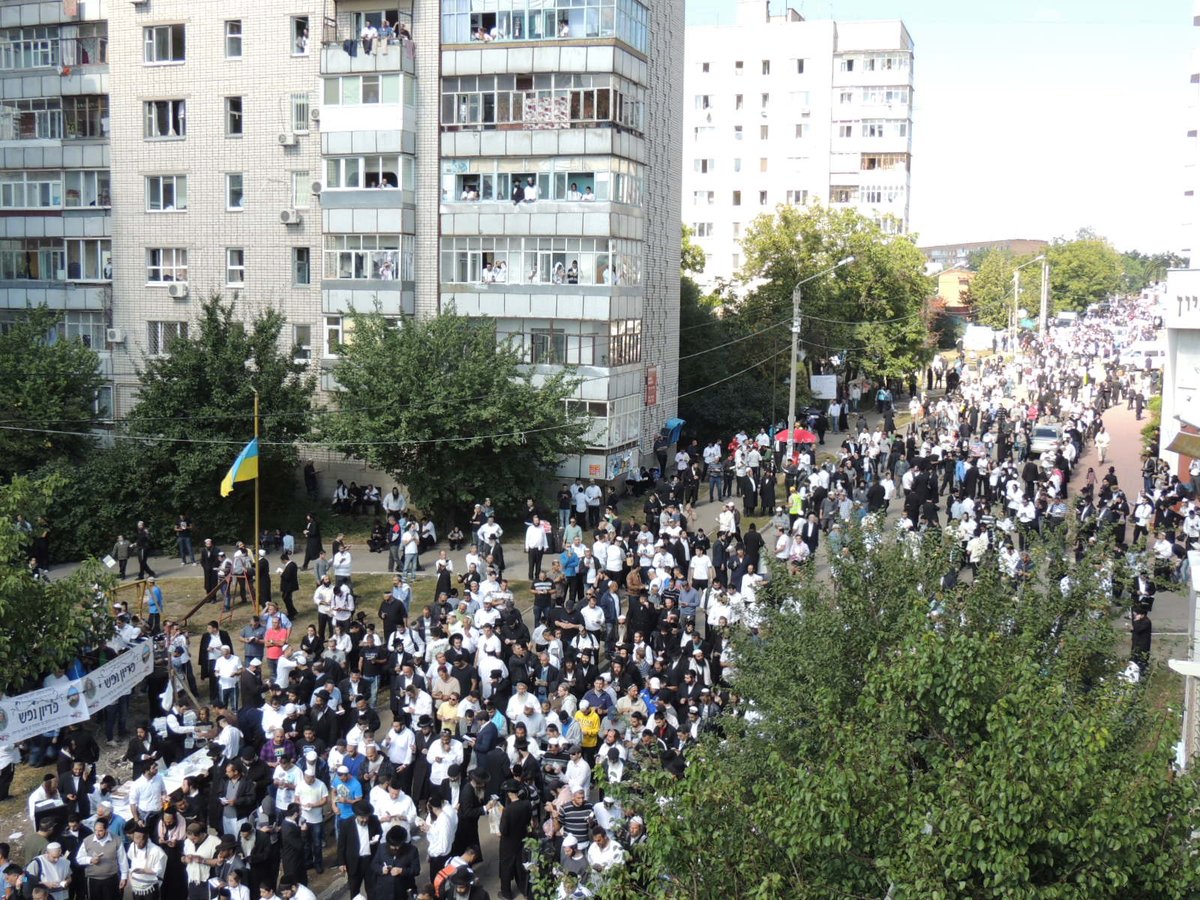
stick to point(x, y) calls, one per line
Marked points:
point(1035, 118)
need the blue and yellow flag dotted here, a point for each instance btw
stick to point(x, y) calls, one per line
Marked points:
point(244, 468)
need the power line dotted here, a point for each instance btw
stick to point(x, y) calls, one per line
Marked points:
point(735, 374)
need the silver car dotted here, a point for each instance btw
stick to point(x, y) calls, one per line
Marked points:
point(1045, 437)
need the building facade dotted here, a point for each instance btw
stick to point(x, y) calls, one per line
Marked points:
point(519, 160)
point(55, 169)
point(947, 256)
point(782, 110)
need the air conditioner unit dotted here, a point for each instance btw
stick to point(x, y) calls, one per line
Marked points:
point(317, 187)
point(315, 114)
point(805, 111)
point(114, 335)
point(291, 217)
point(287, 139)
point(177, 290)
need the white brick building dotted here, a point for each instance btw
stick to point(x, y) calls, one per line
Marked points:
point(266, 154)
point(780, 110)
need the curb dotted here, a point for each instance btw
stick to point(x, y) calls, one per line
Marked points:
point(335, 889)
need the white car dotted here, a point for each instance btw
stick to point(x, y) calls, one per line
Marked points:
point(1044, 438)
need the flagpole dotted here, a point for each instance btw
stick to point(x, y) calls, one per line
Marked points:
point(257, 533)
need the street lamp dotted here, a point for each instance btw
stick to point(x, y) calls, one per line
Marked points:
point(1017, 295)
point(791, 420)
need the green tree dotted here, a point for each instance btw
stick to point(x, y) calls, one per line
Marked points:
point(991, 290)
point(450, 412)
point(1139, 270)
point(47, 381)
point(194, 414)
point(903, 740)
point(868, 314)
point(1083, 271)
point(43, 624)
point(691, 259)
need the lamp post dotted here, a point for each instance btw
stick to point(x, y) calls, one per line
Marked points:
point(1017, 296)
point(791, 419)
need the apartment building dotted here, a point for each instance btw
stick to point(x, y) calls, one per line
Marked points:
point(55, 190)
point(782, 110)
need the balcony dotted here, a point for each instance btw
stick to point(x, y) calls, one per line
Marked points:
point(336, 59)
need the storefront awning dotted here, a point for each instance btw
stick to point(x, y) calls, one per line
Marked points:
point(1186, 445)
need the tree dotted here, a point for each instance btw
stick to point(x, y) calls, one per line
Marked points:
point(47, 381)
point(43, 624)
point(1139, 271)
point(1083, 271)
point(991, 290)
point(898, 739)
point(691, 259)
point(193, 416)
point(451, 413)
point(868, 314)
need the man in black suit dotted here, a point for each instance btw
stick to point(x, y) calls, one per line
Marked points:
point(810, 533)
point(514, 828)
point(210, 561)
point(144, 748)
point(76, 789)
point(357, 842)
point(289, 583)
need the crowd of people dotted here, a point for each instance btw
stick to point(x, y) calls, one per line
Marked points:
point(380, 739)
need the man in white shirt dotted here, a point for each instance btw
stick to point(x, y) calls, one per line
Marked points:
point(228, 668)
point(392, 806)
point(535, 546)
point(146, 795)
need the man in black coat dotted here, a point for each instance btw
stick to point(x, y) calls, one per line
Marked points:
point(514, 828)
point(395, 866)
point(210, 561)
point(289, 583)
point(291, 847)
point(754, 544)
point(353, 856)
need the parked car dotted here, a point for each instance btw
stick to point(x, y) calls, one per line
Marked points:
point(1045, 437)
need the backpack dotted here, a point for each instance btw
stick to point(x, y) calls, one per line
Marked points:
point(441, 878)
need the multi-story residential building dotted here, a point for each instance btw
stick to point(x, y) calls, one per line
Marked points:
point(273, 155)
point(782, 110)
point(947, 256)
point(55, 191)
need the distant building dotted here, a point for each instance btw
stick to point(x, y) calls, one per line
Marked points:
point(783, 111)
point(950, 255)
point(954, 288)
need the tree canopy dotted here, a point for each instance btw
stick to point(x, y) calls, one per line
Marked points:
point(991, 289)
point(450, 412)
point(869, 314)
point(898, 739)
point(48, 381)
point(1083, 271)
point(691, 257)
point(193, 416)
point(43, 624)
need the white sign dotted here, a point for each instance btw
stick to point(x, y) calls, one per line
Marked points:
point(118, 677)
point(40, 711)
point(823, 387)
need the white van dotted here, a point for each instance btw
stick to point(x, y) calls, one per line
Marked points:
point(1144, 355)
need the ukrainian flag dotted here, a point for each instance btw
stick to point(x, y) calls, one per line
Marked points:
point(244, 468)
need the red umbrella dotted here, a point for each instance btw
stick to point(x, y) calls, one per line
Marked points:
point(801, 436)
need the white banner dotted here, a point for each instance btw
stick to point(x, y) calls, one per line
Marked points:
point(40, 711)
point(823, 387)
point(118, 677)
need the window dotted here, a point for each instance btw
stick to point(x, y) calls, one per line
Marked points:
point(766, 67)
point(703, 198)
point(166, 193)
point(801, 130)
point(235, 266)
point(35, 119)
point(703, 132)
point(737, 198)
point(764, 131)
point(235, 193)
point(625, 342)
point(32, 259)
point(300, 113)
point(164, 44)
point(845, 98)
point(762, 198)
point(87, 188)
point(846, 65)
point(703, 229)
point(739, 68)
point(166, 120)
point(333, 336)
point(359, 90)
point(364, 172)
point(85, 117)
point(542, 20)
point(737, 229)
point(89, 260)
point(703, 101)
point(166, 264)
point(300, 35)
point(845, 131)
point(797, 198)
point(799, 67)
point(704, 166)
point(737, 260)
point(544, 100)
point(765, 101)
point(737, 132)
point(842, 194)
point(36, 47)
point(301, 343)
point(737, 101)
point(367, 257)
point(737, 164)
point(762, 164)
point(301, 189)
point(233, 117)
point(542, 260)
point(233, 39)
point(301, 266)
point(160, 336)
point(704, 67)
point(603, 178)
point(36, 189)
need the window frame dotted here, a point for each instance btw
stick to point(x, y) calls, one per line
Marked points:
point(150, 42)
point(295, 256)
point(235, 120)
point(178, 263)
point(161, 332)
point(175, 185)
point(235, 266)
point(235, 181)
point(176, 112)
point(230, 37)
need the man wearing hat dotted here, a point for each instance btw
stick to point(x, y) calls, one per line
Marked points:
point(395, 866)
point(147, 865)
point(570, 859)
point(358, 839)
point(514, 829)
point(51, 871)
